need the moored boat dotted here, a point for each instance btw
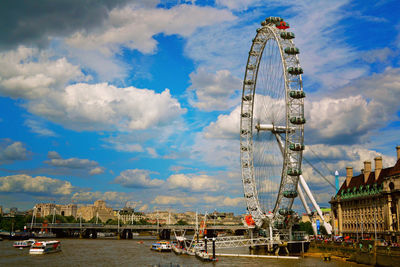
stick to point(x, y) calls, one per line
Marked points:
point(24, 243)
point(162, 246)
point(176, 249)
point(44, 247)
point(204, 256)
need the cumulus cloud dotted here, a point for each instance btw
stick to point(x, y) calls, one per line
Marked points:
point(97, 170)
point(35, 185)
point(135, 27)
point(109, 196)
point(223, 201)
point(136, 178)
point(214, 91)
point(193, 182)
point(72, 163)
point(10, 152)
point(106, 107)
point(216, 152)
point(225, 127)
point(30, 74)
point(55, 160)
point(33, 22)
point(53, 155)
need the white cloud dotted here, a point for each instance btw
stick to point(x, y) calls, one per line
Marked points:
point(378, 55)
point(136, 178)
point(145, 207)
point(11, 152)
point(106, 107)
point(195, 183)
point(39, 184)
point(214, 91)
point(239, 5)
point(97, 170)
point(109, 196)
point(168, 200)
point(226, 126)
point(216, 152)
point(135, 27)
point(39, 128)
point(223, 201)
point(30, 74)
point(53, 155)
point(344, 120)
point(72, 163)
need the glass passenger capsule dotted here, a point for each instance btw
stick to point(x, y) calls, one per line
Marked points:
point(294, 172)
point(297, 94)
point(292, 50)
point(297, 120)
point(295, 70)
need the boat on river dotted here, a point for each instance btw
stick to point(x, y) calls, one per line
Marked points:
point(24, 243)
point(204, 256)
point(44, 247)
point(176, 249)
point(162, 246)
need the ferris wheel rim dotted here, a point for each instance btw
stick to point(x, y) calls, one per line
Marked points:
point(246, 134)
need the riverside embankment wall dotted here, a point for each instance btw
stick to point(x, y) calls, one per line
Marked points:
point(366, 253)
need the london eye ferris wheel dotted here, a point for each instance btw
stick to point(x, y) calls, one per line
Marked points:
point(272, 124)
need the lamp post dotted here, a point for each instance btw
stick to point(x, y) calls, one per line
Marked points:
point(375, 219)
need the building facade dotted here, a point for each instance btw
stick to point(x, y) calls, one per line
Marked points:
point(45, 209)
point(98, 210)
point(367, 205)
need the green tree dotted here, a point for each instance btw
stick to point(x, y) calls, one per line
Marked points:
point(306, 227)
point(112, 222)
point(94, 220)
point(143, 222)
point(181, 222)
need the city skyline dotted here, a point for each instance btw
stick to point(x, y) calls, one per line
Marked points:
point(138, 102)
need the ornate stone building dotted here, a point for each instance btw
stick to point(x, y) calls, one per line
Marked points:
point(44, 209)
point(368, 204)
point(98, 209)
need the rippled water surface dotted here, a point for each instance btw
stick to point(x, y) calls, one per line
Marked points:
point(112, 252)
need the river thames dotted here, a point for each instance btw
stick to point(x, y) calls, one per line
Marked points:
point(112, 252)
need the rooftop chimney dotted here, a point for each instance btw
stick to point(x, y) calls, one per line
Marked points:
point(367, 170)
point(398, 152)
point(378, 167)
point(349, 175)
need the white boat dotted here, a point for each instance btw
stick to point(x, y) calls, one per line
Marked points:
point(44, 247)
point(204, 256)
point(162, 246)
point(24, 243)
point(177, 250)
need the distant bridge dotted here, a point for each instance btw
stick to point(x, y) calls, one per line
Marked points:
point(132, 227)
point(125, 231)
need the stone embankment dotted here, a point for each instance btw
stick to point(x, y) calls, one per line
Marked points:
point(364, 252)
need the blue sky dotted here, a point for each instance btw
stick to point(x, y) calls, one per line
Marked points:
point(136, 102)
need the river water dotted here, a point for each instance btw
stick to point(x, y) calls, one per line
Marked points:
point(112, 252)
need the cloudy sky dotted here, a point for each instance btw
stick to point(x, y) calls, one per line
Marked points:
point(137, 102)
